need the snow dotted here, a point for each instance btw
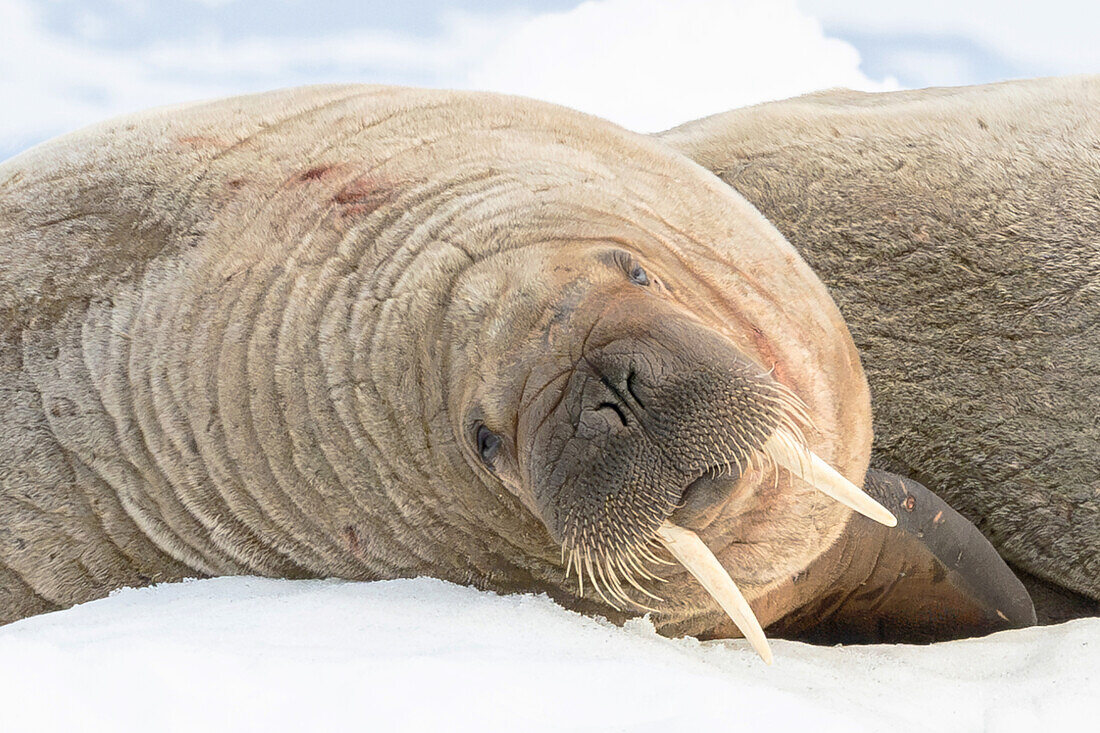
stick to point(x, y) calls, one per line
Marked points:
point(259, 654)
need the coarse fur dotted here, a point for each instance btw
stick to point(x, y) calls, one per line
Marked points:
point(261, 335)
point(959, 232)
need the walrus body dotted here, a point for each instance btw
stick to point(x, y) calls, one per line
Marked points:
point(369, 332)
point(959, 232)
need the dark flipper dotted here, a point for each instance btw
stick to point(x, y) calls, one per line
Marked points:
point(933, 577)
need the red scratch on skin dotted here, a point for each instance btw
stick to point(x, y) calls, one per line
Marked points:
point(766, 353)
point(316, 173)
point(735, 321)
point(363, 196)
point(352, 538)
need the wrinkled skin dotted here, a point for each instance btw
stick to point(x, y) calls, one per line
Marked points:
point(958, 230)
point(261, 335)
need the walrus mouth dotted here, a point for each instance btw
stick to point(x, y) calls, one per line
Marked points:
point(787, 452)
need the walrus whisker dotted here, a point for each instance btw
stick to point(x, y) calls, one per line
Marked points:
point(792, 405)
point(740, 468)
point(641, 570)
point(697, 558)
point(592, 573)
point(629, 576)
point(614, 583)
point(596, 584)
point(580, 574)
point(604, 576)
point(623, 575)
point(786, 452)
point(649, 556)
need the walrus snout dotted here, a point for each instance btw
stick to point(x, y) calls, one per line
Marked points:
point(656, 403)
point(676, 383)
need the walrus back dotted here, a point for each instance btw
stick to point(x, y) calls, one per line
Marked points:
point(87, 210)
point(959, 232)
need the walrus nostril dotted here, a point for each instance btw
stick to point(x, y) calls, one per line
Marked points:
point(620, 381)
point(631, 390)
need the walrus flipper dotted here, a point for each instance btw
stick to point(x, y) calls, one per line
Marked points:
point(934, 577)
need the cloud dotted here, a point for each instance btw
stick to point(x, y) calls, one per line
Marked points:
point(650, 64)
point(1005, 38)
point(50, 84)
point(646, 64)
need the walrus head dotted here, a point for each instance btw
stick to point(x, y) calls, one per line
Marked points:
point(643, 363)
point(617, 412)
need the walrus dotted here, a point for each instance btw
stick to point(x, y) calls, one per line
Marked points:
point(372, 332)
point(958, 230)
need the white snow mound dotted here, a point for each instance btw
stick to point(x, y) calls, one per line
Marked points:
point(256, 654)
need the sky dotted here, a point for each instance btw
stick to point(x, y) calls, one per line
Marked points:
point(645, 64)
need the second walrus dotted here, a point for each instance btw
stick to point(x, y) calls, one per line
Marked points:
point(958, 230)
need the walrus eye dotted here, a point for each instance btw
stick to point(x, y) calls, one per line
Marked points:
point(488, 444)
point(638, 276)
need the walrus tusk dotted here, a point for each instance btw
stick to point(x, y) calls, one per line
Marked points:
point(788, 452)
point(694, 555)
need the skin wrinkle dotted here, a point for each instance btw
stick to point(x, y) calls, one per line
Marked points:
point(70, 478)
point(206, 424)
point(416, 200)
point(339, 445)
point(98, 526)
point(23, 591)
point(152, 441)
point(407, 526)
point(185, 487)
point(35, 581)
point(295, 497)
point(306, 357)
point(294, 355)
point(123, 395)
point(400, 504)
point(233, 404)
point(221, 508)
point(102, 467)
point(267, 413)
point(116, 524)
